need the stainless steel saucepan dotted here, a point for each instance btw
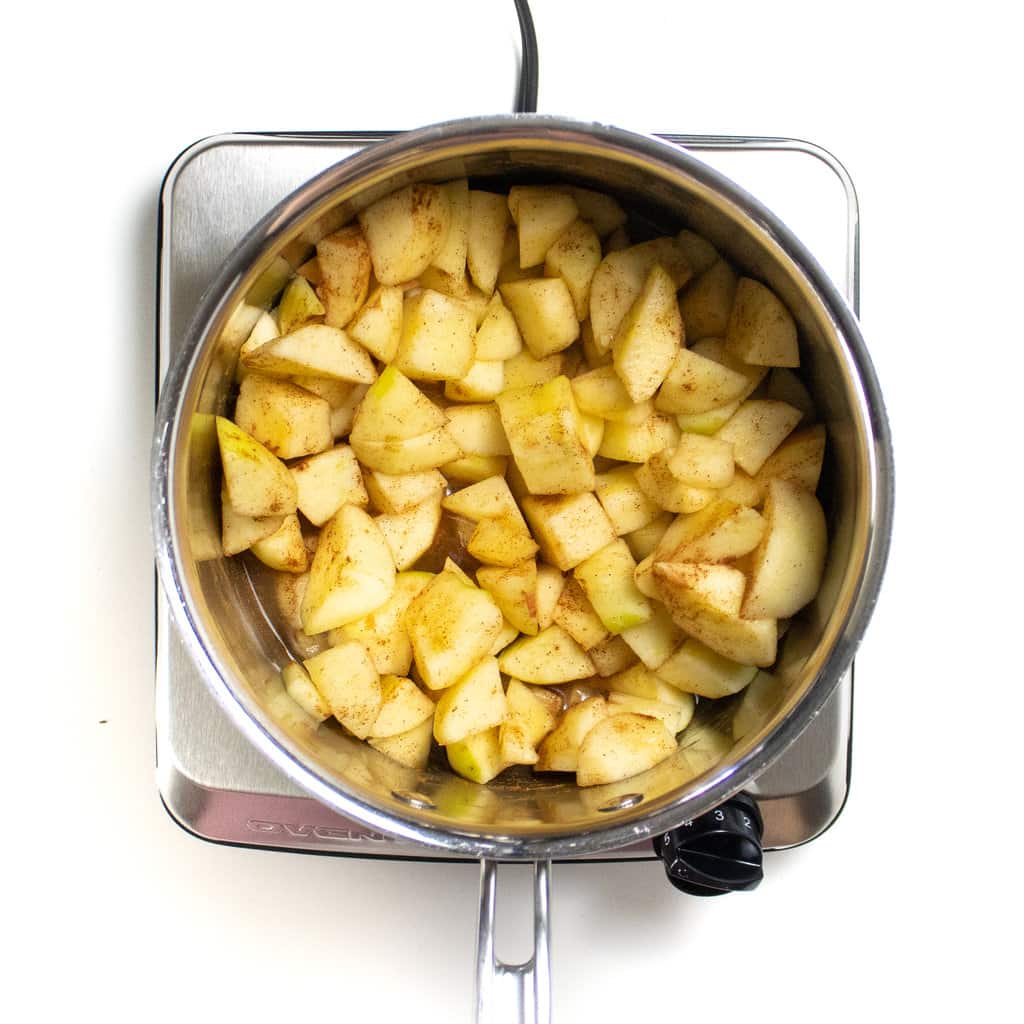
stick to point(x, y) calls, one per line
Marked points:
point(522, 819)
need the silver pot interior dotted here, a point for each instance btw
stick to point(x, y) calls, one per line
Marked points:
point(240, 651)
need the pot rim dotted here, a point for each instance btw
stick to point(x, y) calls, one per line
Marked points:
point(386, 159)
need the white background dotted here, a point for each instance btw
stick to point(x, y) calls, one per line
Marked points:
point(909, 906)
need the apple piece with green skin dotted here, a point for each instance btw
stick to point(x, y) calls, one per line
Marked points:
point(257, 483)
point(541, 424)
point(477, 758)
point(451, 258)
point(542, 215)
point(378, 324)
point(347, 680)
point(559, 751)
point(284, 550)
point(403, 706)
point(706, 423)
point(549, 658)
point(405, 231)
point(706, 303)
point(621, 746)
point(382, 632)
point(394, 409)
point(514, 590)
point(704, 602)
point(607, 579)
point(695, 668)
point(298, 305)
point(411, 748)
point(344, 261)
point(301, 690)
point(410, 534)
point(789, 562)
point(488, 221)
point(437, 337)
point(649, 336)
point(288, 420)
point(569, 528)
point(352, 574)
point(473, 704)
point(532, 712)
point(327, 481)
point(403, 491)
point(761, 331)
point(544, 313)
point(574, 257)
point(452, 625)
point(756, 429)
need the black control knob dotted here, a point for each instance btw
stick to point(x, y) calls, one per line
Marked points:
point(718, 852)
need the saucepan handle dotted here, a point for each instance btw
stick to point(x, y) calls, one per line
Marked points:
point(514, 992)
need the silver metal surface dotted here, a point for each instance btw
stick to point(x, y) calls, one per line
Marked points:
point(230, 643)
point(514, 993)
point(213, 781)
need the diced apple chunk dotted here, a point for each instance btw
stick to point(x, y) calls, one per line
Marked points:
point(574, 257)
point(532, 712)
point(405, 231)
point(559, 752)
point(300, 688)
point(695, 384)
point(411, 533)
point(475, 703)
point(522, 370)
point(488, 220)
point(502, 541)
point(283, 550)
point(621, 746)
point(702, 461)
point(568, 529)
point(437, 337)
point(477, 429)
point(607, 578)
point(498, 337)
point(624, 501)
point(378, 324)
point(541, 424)
point(576, 615)
point(514, 590)
point(452, 625)
point(544, 313)
point(347, 680)
point(478, 757)
point(286, 419)
point(451, 257)
point(756, 429)
point(256, 481)
point(675, 717)
point(705, 605)
point(649, 336)
point(327, 481)
point(403, 491)
point(706, 303)
point(550, 657)
point(298, 304)
point(352, 573)
point(541, 214)
point(629, 442)
point(789, 562)
point(662, 487)
point(314, 350)
point(344, 262)
point(761, 330)
point(696, 668)
point(403, 707)
point(483, 382)
point(411, 748)
point(654, 640)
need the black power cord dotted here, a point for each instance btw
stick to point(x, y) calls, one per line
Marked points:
point(526, 96)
